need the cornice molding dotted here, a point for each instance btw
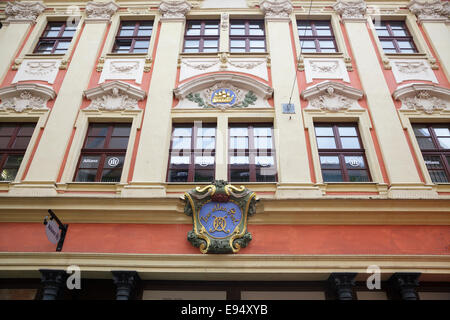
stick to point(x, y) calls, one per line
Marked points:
point(175, 10)
point(353, 11)
point(430, 11)
point(23, 11)
point(100, 11)
point(276, 10)
point(27, 96)
point(428, 98)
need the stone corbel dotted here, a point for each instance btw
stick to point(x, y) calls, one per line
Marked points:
point(430, 11)
point(25, 97)
point(353, 11)
point(276, 10)
point(23, 12)
point(175, 10)
point(114, 96)
point(100, 11)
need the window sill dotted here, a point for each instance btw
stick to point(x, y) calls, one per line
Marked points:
point(180, 187)
point(42, 55)
point(405, 55)
point(323, 54)
point(373, 188)
point(126, 55)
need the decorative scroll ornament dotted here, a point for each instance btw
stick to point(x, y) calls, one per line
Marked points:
point(22, 97)
point(423, 97)
point(176, 9)
point(100, 11)
point(351, 10)
point(219, 214)
point(273, 9)
point(332, 96)
point(430, 10)
point(23, 11)
point(114, 96)
point(225, 21)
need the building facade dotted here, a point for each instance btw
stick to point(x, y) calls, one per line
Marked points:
point(335, 114)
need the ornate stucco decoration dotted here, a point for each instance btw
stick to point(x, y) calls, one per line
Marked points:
point(430, 10)
point(223, 91)
point(25, 97)
point(276, 10)
point(225, 21)
point(422, 97)
point(122, 69)
point(23, 11)
point(332, 96)
point(219, 214)
point(325, 68)
point(114, 96)
point(412, 69)
point(351, 10)
point(174, 10)
point(43, 70)
point(100, 11)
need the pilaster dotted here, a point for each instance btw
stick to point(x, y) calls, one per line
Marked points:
point(52, 282)
point(342, 284)
point(125, 282)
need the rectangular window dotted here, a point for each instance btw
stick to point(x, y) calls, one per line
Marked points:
point(341, 153)
point(434, 142)
point(251, 153)
point(14, 140)
point(394, 37)
point(316, 36)
point(103, 153)
point(247, 36)
point(192, 153)
point(133, 37)
point(202, 36)
point(55, 39)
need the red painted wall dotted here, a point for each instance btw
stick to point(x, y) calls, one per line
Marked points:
point(267, 239)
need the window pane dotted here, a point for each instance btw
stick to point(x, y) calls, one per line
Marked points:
point(13, 161)
point(242, 160)
point(193, 32)
point(421, 131)
point(193, 50)
point(405, 44)
point(7, 129)
point(8, 174)
point(211, 32)
point(126, 32)
point(350, 143)
point(204, 175)
point(332, 176)
point(237, 43)
point(266, 174)
point(399, 32)
point(324, 131)
point(264, 161)
point(178, 175)
point(257, 43)
point(387, 44)
point(45, 47)
point(206, 143)
point(86, 175)
point(242, 175)
point(111, 175)
point(21, 143)
point(358, 176)
point(326, 44)
point(354, 162)
point(347, 131)
point(256, 32)
point(210, 43)
point(382, 32)
point(121, 131)
point(191, 43)
point(257, 50)
point(239, 143)
point(238, 131)
point(425, 143)
point(177, 160)
point(433, 162)
point(181, 143)
point(262, 132)
point(329, 162)
point(89, 162)
point(326, 143)
point(323, 32)
point(141, 44)
point(444, 142)
point(237, 49)
point(438, 176)
point(441, 132)
point(69, 32)
point(26, 130)
point(113, 162)
point(204, 161)
point(182, 132)
point(307, 44)
point(263, 143)
point(4, 141)
point(95, 143)
point(206, 132)
point(63, 45)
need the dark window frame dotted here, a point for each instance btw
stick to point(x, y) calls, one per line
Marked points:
point(193, 151)
point(437, 151)
point(56, 40)
point(251, 151)
point(247, 37)
point(201, 37)
point(133, 38)
point(103, 153)
point(315, 37)
point(10, 150)
point(341, 152)
point(394, 39)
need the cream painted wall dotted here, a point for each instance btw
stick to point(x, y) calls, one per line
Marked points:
point(11, 38)
point(394, 146)
point(52, 147)
point(152, 155)
point(291, 151)
point(439, 35)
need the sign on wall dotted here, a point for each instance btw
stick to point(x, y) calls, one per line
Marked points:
point(219, 213)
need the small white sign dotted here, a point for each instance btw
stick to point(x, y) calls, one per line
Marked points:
point(113, 162)
point(52, 231)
